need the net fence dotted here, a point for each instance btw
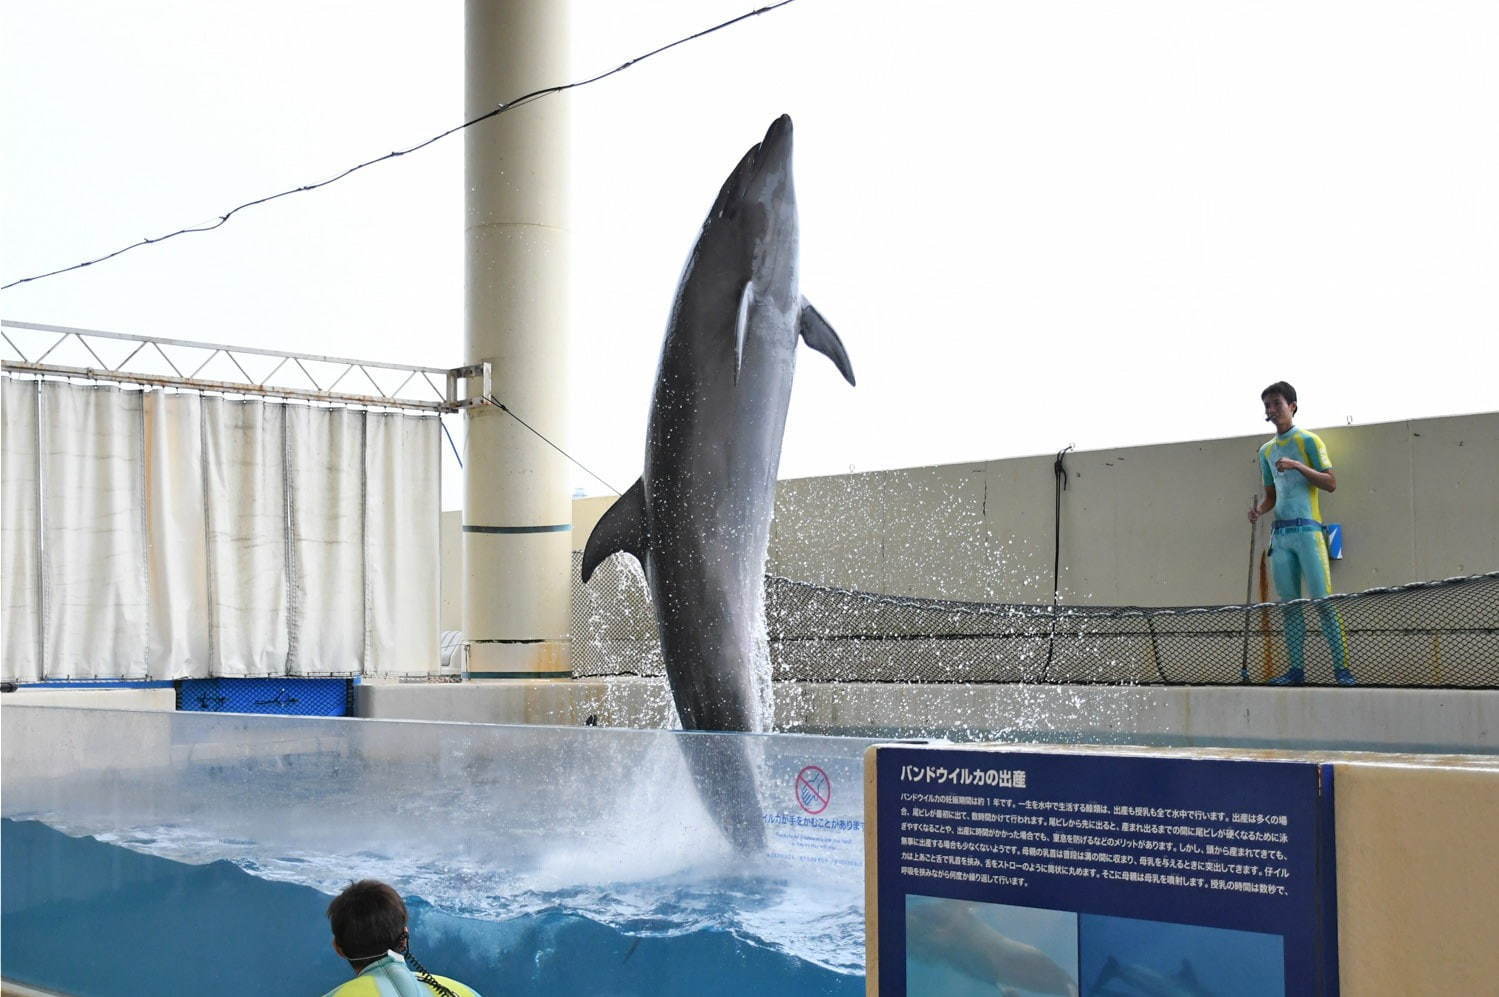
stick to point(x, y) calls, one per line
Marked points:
point(1426, 634)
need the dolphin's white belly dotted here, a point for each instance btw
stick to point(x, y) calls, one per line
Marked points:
point(713, 451)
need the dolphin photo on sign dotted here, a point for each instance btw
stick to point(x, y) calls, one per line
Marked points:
point(698, 519)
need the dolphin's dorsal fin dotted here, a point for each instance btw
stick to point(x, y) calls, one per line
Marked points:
point(821, 337)
point(622, 528)
point(741, 325)
point(1106, 974)
point(1188, 976)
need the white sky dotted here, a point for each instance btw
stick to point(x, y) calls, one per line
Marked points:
point(1032, 224)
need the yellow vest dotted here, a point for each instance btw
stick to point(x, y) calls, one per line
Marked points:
point(389, 977)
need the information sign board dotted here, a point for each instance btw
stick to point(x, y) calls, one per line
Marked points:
point(1118, 875)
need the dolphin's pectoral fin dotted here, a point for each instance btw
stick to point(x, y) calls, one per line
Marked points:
point(622, 528)
point(821, 337)
point(741, 325)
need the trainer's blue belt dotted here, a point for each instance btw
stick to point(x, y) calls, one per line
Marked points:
point(1296, 525)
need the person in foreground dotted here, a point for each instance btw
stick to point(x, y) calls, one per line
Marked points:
point(1295, 469)
point(369, 929)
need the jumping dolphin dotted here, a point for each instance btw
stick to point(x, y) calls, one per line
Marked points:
point(950, 933)
point(698, 519)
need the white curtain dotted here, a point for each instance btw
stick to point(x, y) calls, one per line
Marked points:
point(401, 538)
point(244, 483)
point(93, 533)
point(160, 535)
point(20, 541)
point(178, 530)
point(326, 454)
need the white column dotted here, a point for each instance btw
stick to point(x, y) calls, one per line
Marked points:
point(517, 510)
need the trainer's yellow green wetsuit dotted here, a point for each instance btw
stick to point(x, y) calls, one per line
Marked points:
point(388, 976)
point(1298, 549)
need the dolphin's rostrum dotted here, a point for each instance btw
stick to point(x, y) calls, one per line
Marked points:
point(699, 517)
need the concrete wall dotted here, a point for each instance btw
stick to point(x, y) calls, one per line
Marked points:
point(1157, 526)
point(1417, 876)
point(1149, 526)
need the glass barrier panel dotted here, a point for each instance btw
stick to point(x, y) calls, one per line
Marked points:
point(199, 851)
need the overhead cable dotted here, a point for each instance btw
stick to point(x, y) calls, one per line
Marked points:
point(456, 455)
point(500, 109)
point(504, 408)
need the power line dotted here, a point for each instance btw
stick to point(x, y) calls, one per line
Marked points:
point(501, 109)
point(456, 455)
point(503, 408)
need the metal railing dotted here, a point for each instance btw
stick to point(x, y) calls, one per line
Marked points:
point(181, 363)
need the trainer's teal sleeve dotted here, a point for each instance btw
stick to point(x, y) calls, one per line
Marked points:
point(1316, 452)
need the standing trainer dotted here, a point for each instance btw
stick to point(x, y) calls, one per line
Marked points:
point(1295, 469)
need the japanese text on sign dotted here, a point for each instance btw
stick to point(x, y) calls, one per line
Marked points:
point(1003, 841)
point(940, 775)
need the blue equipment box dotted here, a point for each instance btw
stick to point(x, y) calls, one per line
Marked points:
point(293, 697)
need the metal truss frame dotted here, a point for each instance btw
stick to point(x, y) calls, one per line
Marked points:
point(418, 390)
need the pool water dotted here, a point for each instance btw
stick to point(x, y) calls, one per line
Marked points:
point(96, 919)
point(182, 853)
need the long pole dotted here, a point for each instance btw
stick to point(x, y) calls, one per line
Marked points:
point(1059, 471)
point(1248, 594)
point(517, 514)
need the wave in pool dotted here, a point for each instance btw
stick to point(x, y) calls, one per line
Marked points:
point(99, 916)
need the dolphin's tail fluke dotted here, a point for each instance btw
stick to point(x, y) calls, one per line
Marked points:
point(725, 776)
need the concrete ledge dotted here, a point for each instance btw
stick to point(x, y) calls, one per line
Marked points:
point(1331, 718)
point(1377, 719)
point(109, 699)
point(1458, 720)
point(624, 702)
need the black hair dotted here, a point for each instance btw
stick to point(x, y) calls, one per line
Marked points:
point(368, 919)
point(1280, 388)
